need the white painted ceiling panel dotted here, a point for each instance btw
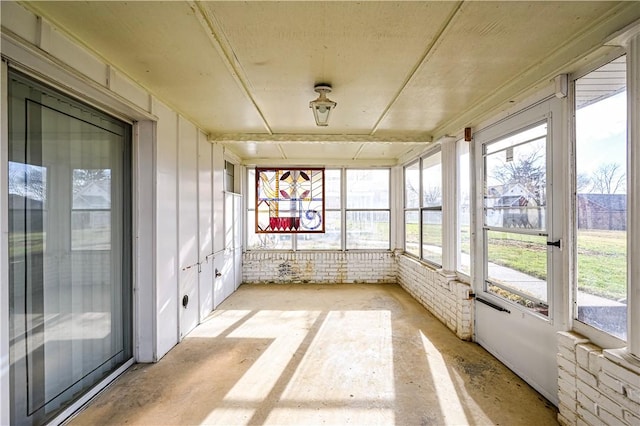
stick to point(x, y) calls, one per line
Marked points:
point(486, 46)
point(406, 72)
point(365, 52)
point(162, 46)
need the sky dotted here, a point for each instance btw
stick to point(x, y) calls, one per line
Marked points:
point(601, 133)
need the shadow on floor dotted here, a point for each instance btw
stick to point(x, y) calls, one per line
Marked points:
point(321, 354)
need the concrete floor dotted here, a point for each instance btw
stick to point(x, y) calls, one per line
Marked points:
point(321, 354)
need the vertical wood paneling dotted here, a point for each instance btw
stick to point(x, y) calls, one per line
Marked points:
point(205, 209)
point(166, 209)
point(188, 224)
point(218, 198)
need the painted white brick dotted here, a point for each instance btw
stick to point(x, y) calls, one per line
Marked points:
point(570, 339)
point(587, 417)
point(568, 390)
point(568, 412)
point(632, 418)
point(586, 377)
point(566, 364)
point(632, 393)
point(621, 373)
point(611, 383)
point(582, 353)
point(566, 353)
point(595, 362)
point(609, 418)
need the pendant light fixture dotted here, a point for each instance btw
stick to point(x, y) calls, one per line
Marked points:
point(322, 106)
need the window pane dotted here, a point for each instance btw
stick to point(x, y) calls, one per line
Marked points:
point(517, 268)
point(251, 189)
point(69, 222)
point(332, 188)
point(412, 186)
point(368, 189)
point(330, 240)
point(601, 166)
point(90, 214)
point(412, 232)
point(432, 236)
point(432, 180)
point(265, 241)
point(367, 230)
point(464, 209)
point(515, 190)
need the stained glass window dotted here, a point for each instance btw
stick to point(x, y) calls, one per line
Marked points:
point(289, 200)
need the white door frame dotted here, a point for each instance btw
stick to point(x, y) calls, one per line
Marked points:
point(521, 339)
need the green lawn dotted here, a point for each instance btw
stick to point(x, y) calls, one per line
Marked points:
point(601, 257)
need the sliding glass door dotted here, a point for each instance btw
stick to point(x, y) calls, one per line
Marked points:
point(69, 248)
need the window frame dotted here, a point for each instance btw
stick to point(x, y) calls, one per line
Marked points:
point(292, 245)
point(597, 336)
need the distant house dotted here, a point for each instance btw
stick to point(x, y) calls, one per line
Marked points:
point(92, 205)
point(512, 206)
point(95, 195)
point(602, 211)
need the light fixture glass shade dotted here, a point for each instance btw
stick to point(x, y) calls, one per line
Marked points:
point(322, 106)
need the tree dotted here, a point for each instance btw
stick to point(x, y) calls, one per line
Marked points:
point(608, 178)
point(583, 181)
point(528, 170)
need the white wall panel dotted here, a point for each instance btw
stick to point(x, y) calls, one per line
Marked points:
point(205, 209)
point(205, 282)
point(72, 54)
point(144, 264)
point(228, 274)
point(126, 88)
point(17, 19)
point(229, 220)
point(188, 223)
point(218, 198)
point(218, 280)
point(166, 229)
point(237, 267)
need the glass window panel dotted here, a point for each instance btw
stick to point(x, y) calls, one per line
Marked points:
point(367, 229)
point(251, 189)
point(264, 241)
point(70, 249)
point(432, 180)
point(91, 215)
point(330, 240)
point(517, 268)
point(464, 209)
point(537, 132)
point(412, 185)
point(432, 236)
point(601, 201)
point(515, 189)
point(368, 189)
point(332, 188)
point(412, 232)
point(290, 200)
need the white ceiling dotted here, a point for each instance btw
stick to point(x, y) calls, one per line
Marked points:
point(403, 73)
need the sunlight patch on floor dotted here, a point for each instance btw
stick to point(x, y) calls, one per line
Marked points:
point(450, 404)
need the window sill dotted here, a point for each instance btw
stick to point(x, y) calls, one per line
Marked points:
point(623, 358)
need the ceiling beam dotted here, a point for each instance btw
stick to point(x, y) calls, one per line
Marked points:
point(297, 138)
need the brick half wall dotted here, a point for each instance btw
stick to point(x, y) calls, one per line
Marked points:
point(319, 267)
point(445, 297)
point(596, 387)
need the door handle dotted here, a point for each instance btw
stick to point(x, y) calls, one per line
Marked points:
point(218, 274)
point(554, 243)
point(493, 305)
